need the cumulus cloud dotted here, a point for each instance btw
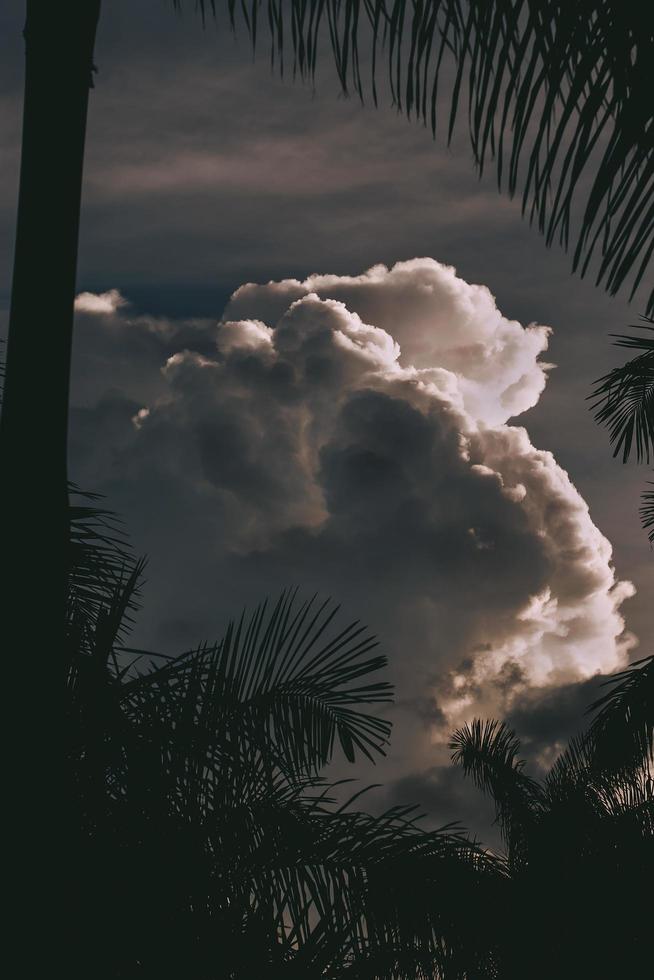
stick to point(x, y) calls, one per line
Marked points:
point(355, 435)
point(438, 320)
point(107, 303)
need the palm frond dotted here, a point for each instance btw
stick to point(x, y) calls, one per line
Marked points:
point(572, 766)
point(327, 891)
point(646, 511)
point(606, 771)
point(410, 887)
point(197, 783)
point(100, 557)
point(585, 835)
point(600, 803)
point(283, 680)
point(556, 93)
point(576, 792)
point(622, 730)
point(623, 399)
point(488, 752)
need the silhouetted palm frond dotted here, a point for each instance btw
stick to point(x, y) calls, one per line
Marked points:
point(557, 93)
point(100, 557)
point(603, 776)
point(194, 782)
point(622, 731)
point(588, 787)
point(623, 399)
point(488, 751)
point(586, 843)
point(284, 680)
point(231, 738)
point(647, 512)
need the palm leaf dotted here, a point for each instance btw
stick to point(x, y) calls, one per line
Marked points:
point(622, 730)
point(488, 752)
point(282, 678)
point(383, 885)
point(557, 94)
point(206, 767)
point(647, 512)
point(623, 399)
point(578, 792)
point(584, 837)
point(100, 558)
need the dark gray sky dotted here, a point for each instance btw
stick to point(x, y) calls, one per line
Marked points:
point(205, 171)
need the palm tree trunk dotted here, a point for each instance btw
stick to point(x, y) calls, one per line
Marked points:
point(59, 41)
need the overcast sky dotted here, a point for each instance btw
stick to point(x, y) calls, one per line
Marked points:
point(395, 439)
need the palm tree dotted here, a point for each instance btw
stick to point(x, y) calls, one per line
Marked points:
point(59, 40)
point(580, 843)
point(623, 400)
point(202, 840)
point(555, 92)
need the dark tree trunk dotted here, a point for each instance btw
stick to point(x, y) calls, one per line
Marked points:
point(59, 40)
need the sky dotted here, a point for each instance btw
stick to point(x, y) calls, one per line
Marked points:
point(313, 349)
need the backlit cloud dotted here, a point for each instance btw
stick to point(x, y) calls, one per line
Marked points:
point(355, 436)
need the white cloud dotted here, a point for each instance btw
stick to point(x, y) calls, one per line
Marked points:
point(439, 321)
point(351, 434)
point(100, 303)
point(245, 334)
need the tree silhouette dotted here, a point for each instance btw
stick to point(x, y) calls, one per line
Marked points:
point(59, 40)
point(197, 811)
point(580, 843)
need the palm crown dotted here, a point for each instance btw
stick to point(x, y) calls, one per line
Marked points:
point(580, 843)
